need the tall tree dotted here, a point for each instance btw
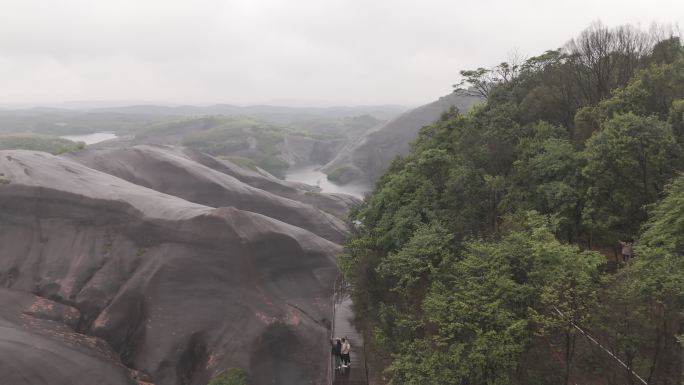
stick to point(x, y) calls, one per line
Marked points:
point(629, 162)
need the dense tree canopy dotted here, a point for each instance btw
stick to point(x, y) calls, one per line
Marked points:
point(485, 250)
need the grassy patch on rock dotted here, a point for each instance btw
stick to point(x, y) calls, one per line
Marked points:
point(232, 376)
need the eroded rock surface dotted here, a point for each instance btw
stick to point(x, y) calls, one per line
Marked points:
point(38, 345)
point(336, 204)
point(179, 290)
point(169, 170)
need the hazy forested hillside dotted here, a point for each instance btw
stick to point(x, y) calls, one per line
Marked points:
point(482, 253)
point(271, 146)
point(366, 157)
point(37, 142)
point(271, 137)
point(79, 119)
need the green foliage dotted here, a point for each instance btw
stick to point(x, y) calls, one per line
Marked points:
point(232, 376)
point(177, 127)
point(651, 91)
point(240, 161)
point(216, 141)
point(337, 174)
point(272, 164)
point(239, 137)
point(334, 128)
point(233, 134)
point(629, 161)
point(483, 80)
point(36, 142)
point(645, 312)
point(547, 178)
point(586, 123)
point(646, 306)
point(483, 308)
point(473, 264)
point(250, 141)
point(667, 50)
point(418, 260)
point(665, 228)
point(676, 120)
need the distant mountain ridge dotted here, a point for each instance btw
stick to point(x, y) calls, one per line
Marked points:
point(368, 157)
point(52, 120)
point(278, 114)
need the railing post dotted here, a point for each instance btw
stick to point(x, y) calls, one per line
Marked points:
point(331, 369)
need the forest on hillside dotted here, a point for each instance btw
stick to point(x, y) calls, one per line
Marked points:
point(483, 255)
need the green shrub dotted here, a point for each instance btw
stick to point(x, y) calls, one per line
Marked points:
point(249, 164)
point(273, 165)
point(232, 376)
point(336, 174)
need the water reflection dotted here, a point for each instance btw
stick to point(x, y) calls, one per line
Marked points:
point(91, 138)
point(313, 176)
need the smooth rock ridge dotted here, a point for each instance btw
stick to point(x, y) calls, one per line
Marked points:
point(179, 290)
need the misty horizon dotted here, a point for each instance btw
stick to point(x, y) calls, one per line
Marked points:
point(106, 104)
point(279, 53)
point(377, 192)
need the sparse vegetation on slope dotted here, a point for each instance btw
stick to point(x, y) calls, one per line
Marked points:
point(232, 376)
point(240, 161)
point(337, 174)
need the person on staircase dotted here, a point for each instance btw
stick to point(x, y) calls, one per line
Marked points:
point(346, 348)
point(626, 248)
point(336, 352)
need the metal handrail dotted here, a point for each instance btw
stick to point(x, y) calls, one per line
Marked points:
point(597, 343)
point(342, 287)
point(332, 328)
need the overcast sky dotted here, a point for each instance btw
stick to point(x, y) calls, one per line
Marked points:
point(308, 52)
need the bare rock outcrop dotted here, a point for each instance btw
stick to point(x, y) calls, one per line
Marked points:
point(336, 204)
point(38, 345)
point(169, 170)
point(178, 290)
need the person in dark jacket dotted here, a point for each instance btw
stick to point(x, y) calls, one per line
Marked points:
point(337, 352)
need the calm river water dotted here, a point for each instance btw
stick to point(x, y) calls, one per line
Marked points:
point(91, 138)
point(313, 176)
